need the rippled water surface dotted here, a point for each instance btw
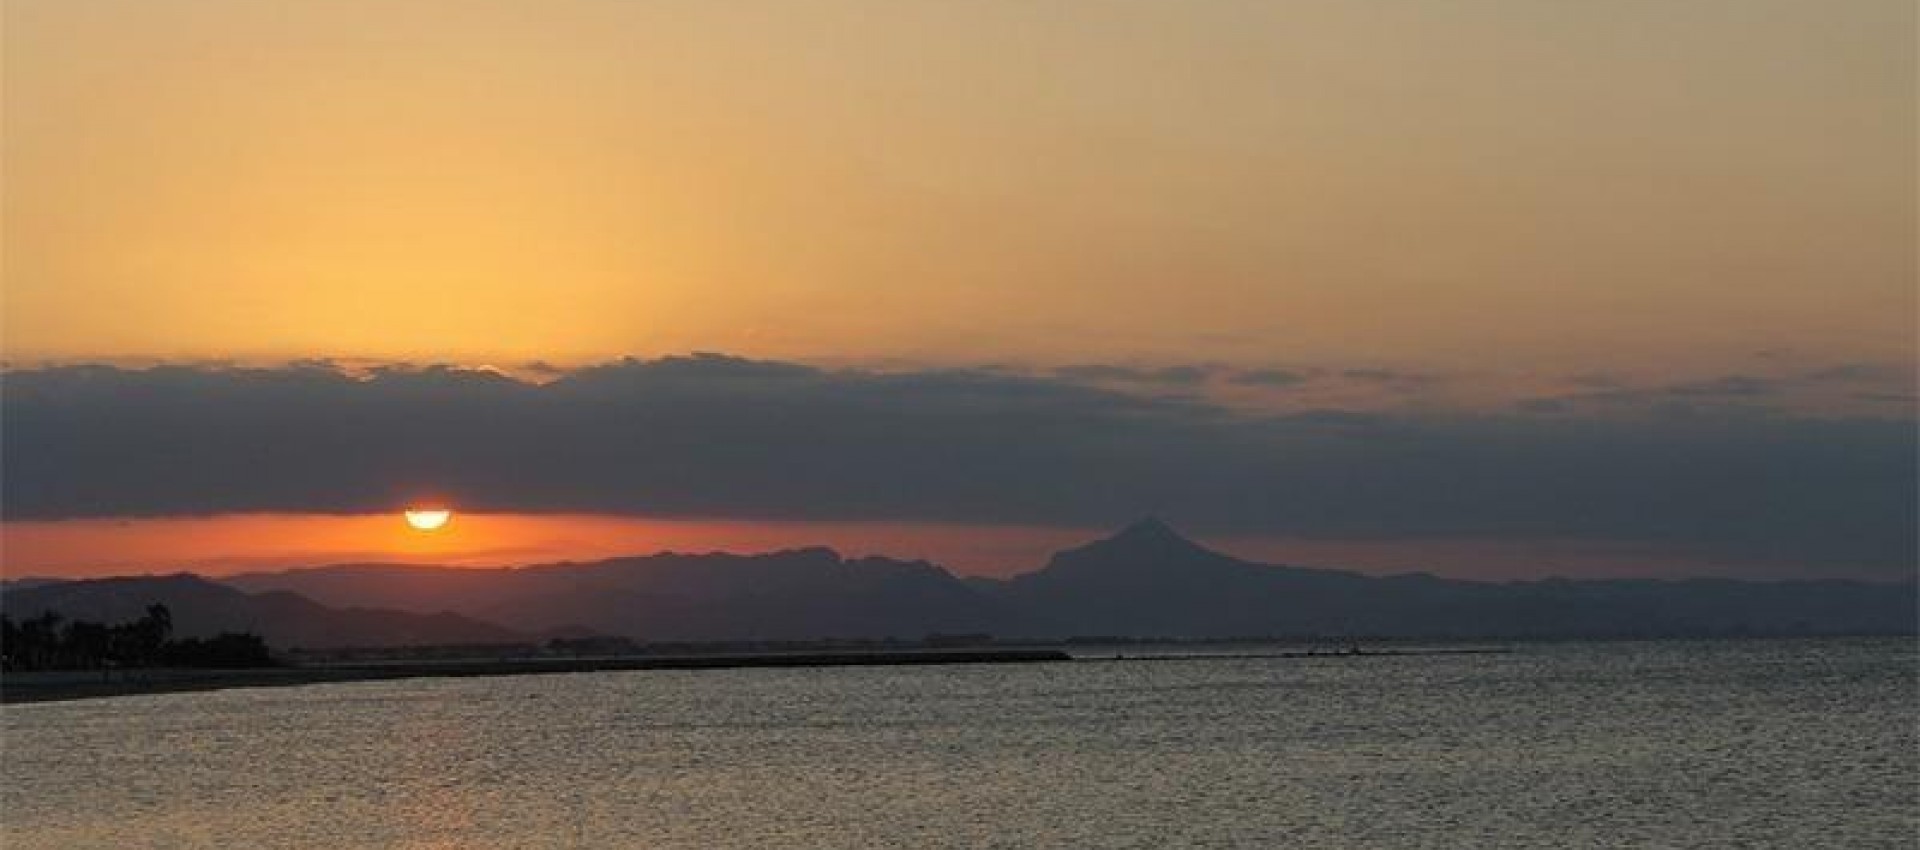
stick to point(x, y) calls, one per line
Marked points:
point(1761, 743)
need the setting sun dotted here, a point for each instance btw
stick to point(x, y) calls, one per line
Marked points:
point(1534, 382)
point(428, 519)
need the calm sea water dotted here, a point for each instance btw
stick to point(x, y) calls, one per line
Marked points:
point(1761, 743)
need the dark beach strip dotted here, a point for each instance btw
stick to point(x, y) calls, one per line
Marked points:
point(70, 685)
point(51, 686)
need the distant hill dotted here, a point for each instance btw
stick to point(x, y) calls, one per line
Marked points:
point(202, 608)
point(1149, 580)
point(792, 595)
point(1145, 581)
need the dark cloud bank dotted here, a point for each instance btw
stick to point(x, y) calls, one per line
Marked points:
point(709, 435)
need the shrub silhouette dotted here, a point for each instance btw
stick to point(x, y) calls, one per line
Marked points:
point(50, 642)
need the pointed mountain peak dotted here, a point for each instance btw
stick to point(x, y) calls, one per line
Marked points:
point(1147, 547)
point(1150, 534)
point(1148, 527)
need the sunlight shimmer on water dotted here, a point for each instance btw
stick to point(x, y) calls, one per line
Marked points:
point(1762, 743)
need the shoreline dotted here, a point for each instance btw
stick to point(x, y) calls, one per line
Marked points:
point(59, 686)
point(1292, 654)
point(66, 685)
point(62, 686)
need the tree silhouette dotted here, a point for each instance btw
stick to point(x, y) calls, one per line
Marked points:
point(50, 642)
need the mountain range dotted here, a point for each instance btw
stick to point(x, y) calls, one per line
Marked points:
point(1145, 581)
point(791, 595)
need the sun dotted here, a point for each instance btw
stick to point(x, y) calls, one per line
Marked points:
point(428, 519)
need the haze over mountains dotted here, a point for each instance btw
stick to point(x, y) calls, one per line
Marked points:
point(1145, 581)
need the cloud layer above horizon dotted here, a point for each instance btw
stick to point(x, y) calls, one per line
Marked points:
point(1705, 470)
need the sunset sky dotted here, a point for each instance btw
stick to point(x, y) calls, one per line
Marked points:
point(1489, 288)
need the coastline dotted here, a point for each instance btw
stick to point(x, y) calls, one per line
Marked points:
point(60, 686)
point(55, 686)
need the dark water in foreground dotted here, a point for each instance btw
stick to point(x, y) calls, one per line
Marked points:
point(1759, 743)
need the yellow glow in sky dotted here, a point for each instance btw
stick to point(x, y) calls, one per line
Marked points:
point(1573, 184)
point(240, 543)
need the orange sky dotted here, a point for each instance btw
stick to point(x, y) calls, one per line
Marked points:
point(1447, 185)
point(1511, 193)
point(252, 542)
point(240, 543)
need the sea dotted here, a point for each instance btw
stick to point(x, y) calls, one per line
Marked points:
point(1749, 743)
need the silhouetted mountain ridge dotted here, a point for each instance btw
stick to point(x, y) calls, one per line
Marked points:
point(794, 594)
point(284, 619)
point(1146, 580)
point(1149, 580)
